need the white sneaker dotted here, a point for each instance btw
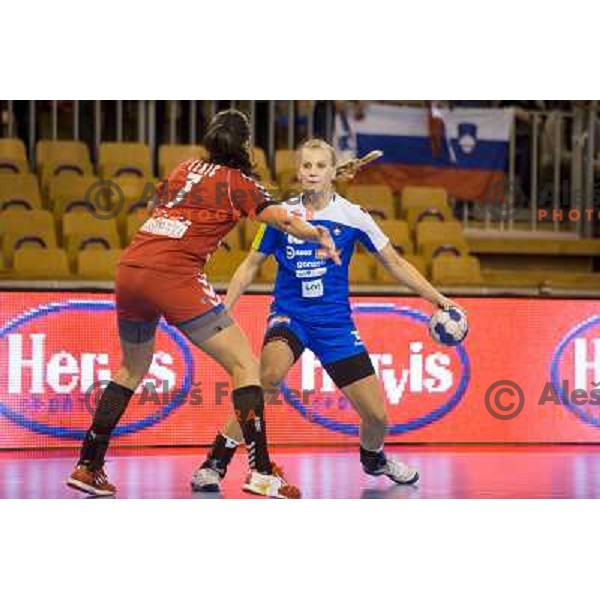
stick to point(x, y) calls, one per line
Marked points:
point(398, 472)
point(272, 486)
point(206, 480)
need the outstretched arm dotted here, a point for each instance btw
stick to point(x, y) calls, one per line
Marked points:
point(407, 275)
point(243, 277)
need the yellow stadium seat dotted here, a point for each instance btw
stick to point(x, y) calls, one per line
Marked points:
point(62, 156)
point(82, 230)
point(13, 158)
point(68, 188)
point(259, 158)
point(362, 269)
point(170, 155)
point(40, 263)
point(285, 160)
point(263, 173)
point(268, 271)
point(453, 270)
point(223, 264)
point(99, 265)
point(26, 227)
point(233, 240)
point(137, 192)
point(414, 196)
point(435, 238)
point(383, 276)
point(420, 214)
point(19, 191)
point(118, 159)
point(378, 200)
point(399, 235)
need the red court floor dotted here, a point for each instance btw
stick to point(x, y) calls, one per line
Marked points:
point(446, 472)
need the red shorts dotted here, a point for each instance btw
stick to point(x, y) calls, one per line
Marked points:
point(144, 295)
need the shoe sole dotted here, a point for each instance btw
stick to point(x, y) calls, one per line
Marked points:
point(212, 488)
point(88, 489)
point(256, 492)
point(409, 482)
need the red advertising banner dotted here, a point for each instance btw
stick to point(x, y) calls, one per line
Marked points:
point(529, 371)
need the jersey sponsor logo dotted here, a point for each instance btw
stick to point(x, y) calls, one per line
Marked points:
point(166, 227)
point(294, 240)
point(575, 365)
point(291, 252)
point(310, 273)
point(421, 381)
point(312, 289)
point(51, 371)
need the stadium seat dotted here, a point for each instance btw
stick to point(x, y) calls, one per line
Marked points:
point(97, 264)
point(59, 156)
point(259, 158)
point(378, 200)
point(170, 155)
point(118, 159)
point(83, 230)
point(362, 269)
point(19, 191)
point(263, 173)
point(420, 214)
point(453, 270)
point(285, 165)
point(435, 238)
point(41, 263)
point(26, 227)
point(69, 191)
point(413, 196)
point(383, 276)
point(13, 158)
point(223, 264)
point(399, 235)
point(137, 192)
point(268, 271)
point(232, 242)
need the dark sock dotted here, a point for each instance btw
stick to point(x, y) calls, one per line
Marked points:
point(110, 409)
point(220, 455)
point(249, 407)
point(372, 460)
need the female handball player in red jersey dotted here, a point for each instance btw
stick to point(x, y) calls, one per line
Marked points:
point(160, 274)
point(310, 309)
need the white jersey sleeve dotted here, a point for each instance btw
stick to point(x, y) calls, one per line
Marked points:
point(370, 234)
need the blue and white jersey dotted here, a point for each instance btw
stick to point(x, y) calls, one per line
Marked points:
point(309, 287)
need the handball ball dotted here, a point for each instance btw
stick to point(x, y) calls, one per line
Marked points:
point(448, 326)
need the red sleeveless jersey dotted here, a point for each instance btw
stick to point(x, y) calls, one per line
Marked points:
point(200, 203)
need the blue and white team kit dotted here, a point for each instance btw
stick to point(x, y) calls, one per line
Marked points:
point(311, 292)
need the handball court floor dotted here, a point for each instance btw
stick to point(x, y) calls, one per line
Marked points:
point(567, 471)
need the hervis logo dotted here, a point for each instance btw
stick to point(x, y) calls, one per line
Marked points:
point(51, 356)
point(575, 365)
point(421, 380)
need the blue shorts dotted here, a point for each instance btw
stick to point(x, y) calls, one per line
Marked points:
point(330, 341)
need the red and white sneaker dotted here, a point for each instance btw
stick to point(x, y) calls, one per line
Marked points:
point(93, 482)
point(272, 486)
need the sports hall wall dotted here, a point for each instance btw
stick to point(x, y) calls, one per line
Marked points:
point(506, 383)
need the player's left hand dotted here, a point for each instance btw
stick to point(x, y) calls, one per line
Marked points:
point(447, 303)
point(328, 245)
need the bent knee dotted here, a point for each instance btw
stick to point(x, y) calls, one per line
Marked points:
point(271, 376)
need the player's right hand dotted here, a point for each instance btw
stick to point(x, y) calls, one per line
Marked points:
point(327, 243)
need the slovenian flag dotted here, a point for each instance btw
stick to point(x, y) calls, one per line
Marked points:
point(463, 150)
